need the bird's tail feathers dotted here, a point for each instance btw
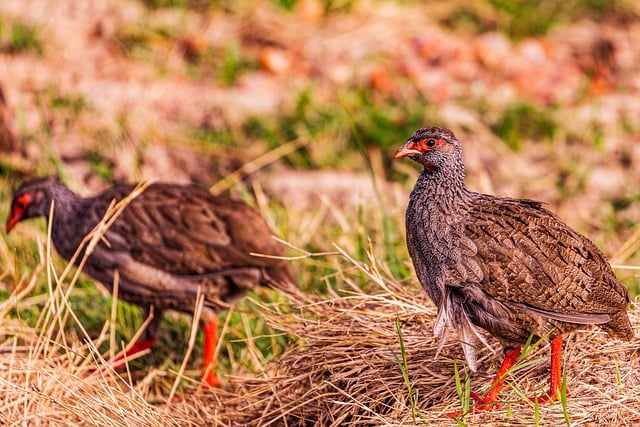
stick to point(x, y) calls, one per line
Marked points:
point(452, 314)
point(441, 328)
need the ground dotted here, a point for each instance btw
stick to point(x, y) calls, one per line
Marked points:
point(297, 107)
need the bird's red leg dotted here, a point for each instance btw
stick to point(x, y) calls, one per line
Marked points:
point(556, 373)
point(510, 359)
point(488, 401)
point(139, 346)
point(209, 361)
point(120, 359)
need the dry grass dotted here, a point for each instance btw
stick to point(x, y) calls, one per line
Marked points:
point(346, 368)
point(136, 115)
point(46, 377)
point(49, 378)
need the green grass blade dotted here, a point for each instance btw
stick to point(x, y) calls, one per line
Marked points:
point(404, 368)
point(386, 223)
point(563, 399)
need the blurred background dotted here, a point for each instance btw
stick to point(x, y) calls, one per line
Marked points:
point(297, 106)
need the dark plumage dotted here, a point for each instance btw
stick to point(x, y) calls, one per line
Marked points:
point(508, 266)
point(168, 242)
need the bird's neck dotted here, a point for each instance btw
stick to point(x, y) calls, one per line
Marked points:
point(443, 187)
point(67, 207)
point(65, 203)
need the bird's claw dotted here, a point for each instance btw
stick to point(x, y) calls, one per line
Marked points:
point(550, 397)
point(482, 404)
point(487, 403)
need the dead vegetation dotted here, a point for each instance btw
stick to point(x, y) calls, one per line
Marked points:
point(357, 358)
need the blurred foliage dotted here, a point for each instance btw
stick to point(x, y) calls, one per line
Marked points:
point(233, 65)
point(200, 5)
point(230, 5)
point(17, 37)
point(522, 18)
point(138, 41)
point(73, 103)
point(379, 123)
point(329, 6)
point(523, 120)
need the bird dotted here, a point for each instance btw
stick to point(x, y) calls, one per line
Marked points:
point(169, 244)
point(504, 265)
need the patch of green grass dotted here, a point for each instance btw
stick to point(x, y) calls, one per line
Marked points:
point(141, 39)
point(210, 136)
point(17, 37)
point(524, 121)
point(404, 368)
point(233, 64)
point(248, 338)
point(286, 4)
point(337, 134)
point(329, 6)
point(198, 5)
point(563, 397)
point(73, 103)
point(226, 65)
point(249, 341)
point(158, 4)
point(386, 223)
point(464, 393)
point(388, 122)
point(100, 166)
point(520, 18)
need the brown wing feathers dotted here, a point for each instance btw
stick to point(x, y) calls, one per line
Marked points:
point(539, 264)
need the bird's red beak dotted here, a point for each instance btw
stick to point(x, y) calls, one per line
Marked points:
point(12, 221)
point(407, 150)
point(18, 206)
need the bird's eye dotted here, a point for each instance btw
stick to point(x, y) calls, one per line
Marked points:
point(22, 202)
point(431, 143)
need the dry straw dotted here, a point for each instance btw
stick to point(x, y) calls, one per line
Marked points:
point(359, 358)
point(48, 378)
point(348, 368)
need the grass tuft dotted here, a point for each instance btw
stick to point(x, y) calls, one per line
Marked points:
point(402, 364)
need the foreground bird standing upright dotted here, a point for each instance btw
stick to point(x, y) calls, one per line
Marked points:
point(506, 265)
point(169, 243)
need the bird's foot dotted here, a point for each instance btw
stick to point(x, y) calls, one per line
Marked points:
point(548, 398)
point(119, 360)
point(542, 400)
point(210, 380)
point(209, 361)
point(486, 403)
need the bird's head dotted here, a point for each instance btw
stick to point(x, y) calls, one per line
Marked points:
point(433, 147)
point(32, 199)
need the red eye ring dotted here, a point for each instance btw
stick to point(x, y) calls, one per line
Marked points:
point(22, 202)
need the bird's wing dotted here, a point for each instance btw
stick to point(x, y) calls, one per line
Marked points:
point(186, 231)
point(527, 256)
